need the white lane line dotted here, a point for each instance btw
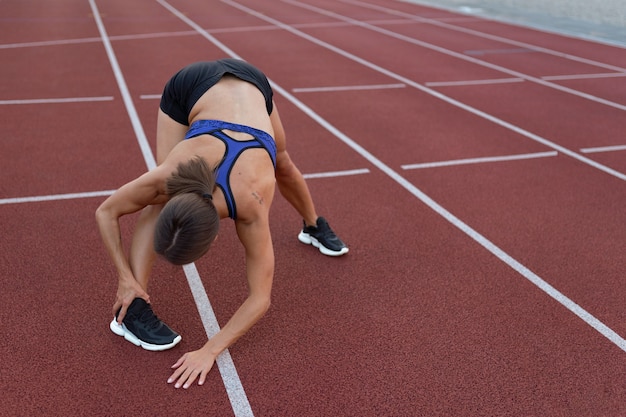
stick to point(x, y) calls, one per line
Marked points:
point(519, 80)
point(333, 174)
point(55, 100)
point(604, 149)
point(480, 160)
point(583, 76)
point(229, 374)
point(150, 96)
point(53, 197)
point(49, 43)
point(473, 234)
point(478, 52)
point(347, 88)
point(473, 82)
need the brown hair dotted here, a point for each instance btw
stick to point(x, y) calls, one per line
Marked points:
point(189, 222)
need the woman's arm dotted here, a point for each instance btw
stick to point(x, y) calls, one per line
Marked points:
point(129, 198)
point(256, 239)
point(257, 242)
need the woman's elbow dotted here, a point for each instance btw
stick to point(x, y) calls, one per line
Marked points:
point(265, 304)
point(104, 216)
point(262, 303)
point(100, 214)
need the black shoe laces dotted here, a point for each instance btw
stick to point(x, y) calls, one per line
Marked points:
point(149, 319)
point(325, 231)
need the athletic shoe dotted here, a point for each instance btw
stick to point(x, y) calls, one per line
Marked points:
point(323, 238)
point(142, 327)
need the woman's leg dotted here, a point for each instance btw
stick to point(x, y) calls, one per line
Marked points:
point(142, 255)
point(293, 187)
point(290, 181)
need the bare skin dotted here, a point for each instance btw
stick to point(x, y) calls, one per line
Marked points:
point(253, 181)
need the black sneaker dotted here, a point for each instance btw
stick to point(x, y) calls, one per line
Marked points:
point(143, 328)
point(323, 238)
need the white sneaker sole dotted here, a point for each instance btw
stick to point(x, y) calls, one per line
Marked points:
point(121, 330)
point(310, 240)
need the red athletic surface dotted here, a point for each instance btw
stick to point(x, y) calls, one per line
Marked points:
point(418, 319)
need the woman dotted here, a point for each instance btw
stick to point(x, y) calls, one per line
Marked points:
point(220, 152)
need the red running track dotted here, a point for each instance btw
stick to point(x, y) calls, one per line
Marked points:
point(482, 199)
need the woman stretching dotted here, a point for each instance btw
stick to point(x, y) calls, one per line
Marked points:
point(220, 152)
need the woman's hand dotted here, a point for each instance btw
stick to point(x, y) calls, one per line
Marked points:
point(192, 365)
point(127, 291)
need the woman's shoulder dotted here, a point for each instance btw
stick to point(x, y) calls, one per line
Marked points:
point(254, 196)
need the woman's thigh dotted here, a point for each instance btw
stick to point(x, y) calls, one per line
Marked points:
point(169, 134)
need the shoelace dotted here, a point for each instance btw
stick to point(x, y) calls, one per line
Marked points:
point(149, 319)
point(326, 231)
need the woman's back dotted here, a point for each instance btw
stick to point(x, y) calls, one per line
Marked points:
point(235, 101)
